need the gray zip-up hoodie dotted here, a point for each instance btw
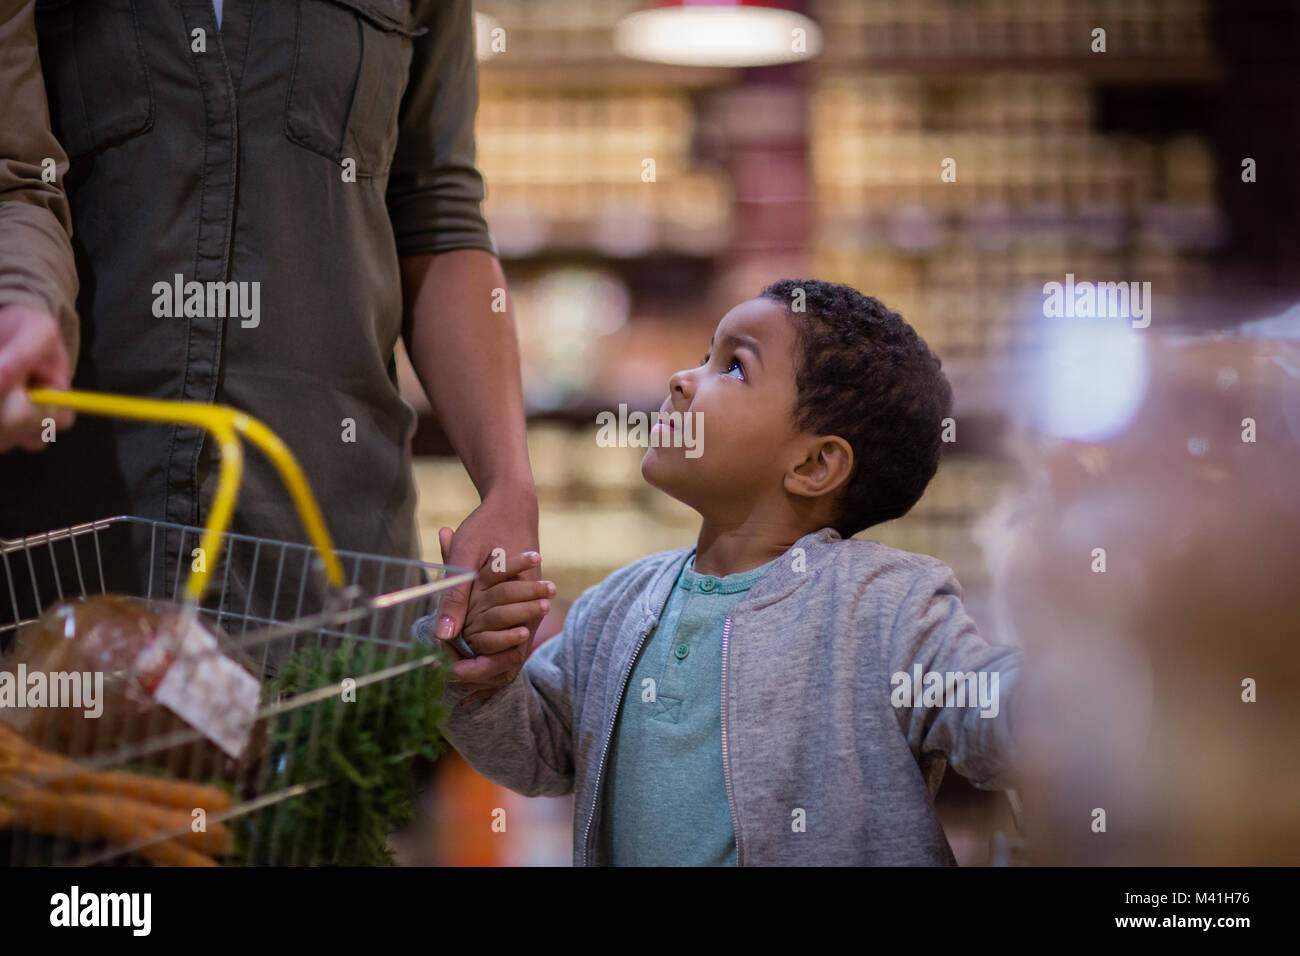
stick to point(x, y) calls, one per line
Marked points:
point(820, 767)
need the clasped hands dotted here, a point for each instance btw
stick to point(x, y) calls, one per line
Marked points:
point(503, 613)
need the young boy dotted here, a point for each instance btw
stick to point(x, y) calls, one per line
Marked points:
point(758, 698)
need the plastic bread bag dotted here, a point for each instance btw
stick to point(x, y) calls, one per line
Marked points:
point(103, 672)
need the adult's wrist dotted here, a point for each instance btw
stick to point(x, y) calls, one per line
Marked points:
point(512, 488)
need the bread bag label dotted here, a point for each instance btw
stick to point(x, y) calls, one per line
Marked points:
point(200, 684)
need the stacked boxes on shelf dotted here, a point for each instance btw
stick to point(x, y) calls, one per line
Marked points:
point(870, 30)
point(954, 201)
point(597, 170)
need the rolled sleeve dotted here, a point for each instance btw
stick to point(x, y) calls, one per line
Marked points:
point(37, 268)
point(435, 191)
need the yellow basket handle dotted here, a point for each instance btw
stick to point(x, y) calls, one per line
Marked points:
point(224, 424)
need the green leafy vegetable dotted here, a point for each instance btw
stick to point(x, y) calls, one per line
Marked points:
point(362, 745)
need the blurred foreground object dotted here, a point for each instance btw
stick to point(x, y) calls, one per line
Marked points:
point(1150, 569)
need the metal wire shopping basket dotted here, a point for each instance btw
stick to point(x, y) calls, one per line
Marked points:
point(338, 644)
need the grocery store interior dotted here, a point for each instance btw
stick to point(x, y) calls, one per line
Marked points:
point(1127, 164)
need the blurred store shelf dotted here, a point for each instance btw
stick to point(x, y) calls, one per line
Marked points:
point(602, 171)
point(831, 169)
point(1145, 39)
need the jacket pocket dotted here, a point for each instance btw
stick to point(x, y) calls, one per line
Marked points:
point(349, 73)
point(96, 77)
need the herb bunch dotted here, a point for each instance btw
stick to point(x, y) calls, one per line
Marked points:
point(362, 744)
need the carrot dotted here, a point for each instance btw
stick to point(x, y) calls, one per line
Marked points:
point(11, 739)
point(81, 817)
point(65, 774)
point(54, 815)
point(48, 817)
point(10, 764)
point(156, 819)
point(121, 807)
point(177, 794)
point(214, 839)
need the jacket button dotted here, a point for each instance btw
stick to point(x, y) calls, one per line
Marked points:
point(682, 650)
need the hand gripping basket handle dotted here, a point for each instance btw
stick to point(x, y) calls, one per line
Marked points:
point(226, 425)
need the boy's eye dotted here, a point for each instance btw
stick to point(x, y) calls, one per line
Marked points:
point(733, 366)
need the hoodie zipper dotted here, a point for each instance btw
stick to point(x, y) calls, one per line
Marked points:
point(604, 750)
point(609, 733)
point(726, 766)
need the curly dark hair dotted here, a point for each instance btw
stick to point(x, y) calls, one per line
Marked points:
point(865, 375)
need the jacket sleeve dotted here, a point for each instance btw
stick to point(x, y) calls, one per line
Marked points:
point(977, 735)
point(435, 191)
point(522, 736)
point(37, 268)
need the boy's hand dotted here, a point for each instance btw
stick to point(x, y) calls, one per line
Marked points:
point(504, 611)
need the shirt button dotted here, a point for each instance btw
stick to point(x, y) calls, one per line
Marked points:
point(707, 584)
point(682, 650)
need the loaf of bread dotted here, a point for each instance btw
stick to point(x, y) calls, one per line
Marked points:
point(107, 655)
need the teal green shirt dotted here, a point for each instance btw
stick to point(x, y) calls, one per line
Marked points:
point(665, 799)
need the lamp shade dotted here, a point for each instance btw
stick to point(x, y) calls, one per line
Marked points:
point(727, 33)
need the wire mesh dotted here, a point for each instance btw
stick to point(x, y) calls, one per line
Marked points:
point(339, 675)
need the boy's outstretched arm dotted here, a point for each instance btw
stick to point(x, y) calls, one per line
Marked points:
point(521, 736)
point(976, 730)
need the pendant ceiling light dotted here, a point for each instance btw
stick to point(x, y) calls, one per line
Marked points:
point(718, 33)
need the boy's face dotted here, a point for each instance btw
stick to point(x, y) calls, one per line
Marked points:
point(741, 399)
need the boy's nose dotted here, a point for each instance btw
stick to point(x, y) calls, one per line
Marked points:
point(682, 383)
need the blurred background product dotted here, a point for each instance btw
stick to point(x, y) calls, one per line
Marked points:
point(1150, 572)
point(634, 202)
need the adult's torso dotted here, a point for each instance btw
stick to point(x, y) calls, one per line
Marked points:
point(229, 165)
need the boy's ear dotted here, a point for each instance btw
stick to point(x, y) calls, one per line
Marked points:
point(826, 466)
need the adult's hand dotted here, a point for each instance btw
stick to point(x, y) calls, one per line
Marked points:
point(505, 520)
point(31, 355)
